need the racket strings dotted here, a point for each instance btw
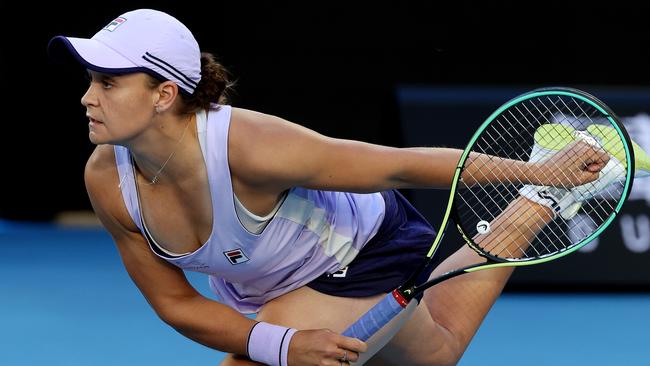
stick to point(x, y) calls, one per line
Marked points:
point(511, 136)
point(521, 253)
point(486, 246)
point(548, 245)
point(590, 116)
point(495, 245)
point(615, 193)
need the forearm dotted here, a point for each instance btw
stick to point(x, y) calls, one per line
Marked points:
point(218, 326)
point(435, 167)
point(210, 323)
point(485, 169)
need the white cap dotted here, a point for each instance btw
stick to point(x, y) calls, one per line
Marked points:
point(142, 40)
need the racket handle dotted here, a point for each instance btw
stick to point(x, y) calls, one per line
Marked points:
point(378, 316)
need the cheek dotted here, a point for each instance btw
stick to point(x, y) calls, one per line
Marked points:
point(131, 107)
point(126, 114)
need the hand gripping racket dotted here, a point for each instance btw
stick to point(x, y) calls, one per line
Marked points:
point(532, 127)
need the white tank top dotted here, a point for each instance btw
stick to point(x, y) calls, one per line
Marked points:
point(312, 232)
point(254, 223)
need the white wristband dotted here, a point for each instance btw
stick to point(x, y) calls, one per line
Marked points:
point(269, 344)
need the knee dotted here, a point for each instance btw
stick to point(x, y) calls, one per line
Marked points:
point(450, 358)
point(437, 359)
point(447, 352)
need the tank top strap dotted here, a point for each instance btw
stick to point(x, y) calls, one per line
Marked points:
point(216, 160)
point(127, 183)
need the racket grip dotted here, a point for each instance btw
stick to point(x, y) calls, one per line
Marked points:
point(378, 316)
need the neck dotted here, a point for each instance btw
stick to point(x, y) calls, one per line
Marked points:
point(161, 152)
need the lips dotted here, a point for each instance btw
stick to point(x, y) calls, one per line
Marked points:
point(93, 120)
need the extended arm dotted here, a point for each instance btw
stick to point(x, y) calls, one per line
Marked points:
point(273, 154)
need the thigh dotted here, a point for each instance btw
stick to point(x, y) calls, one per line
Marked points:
point(238, 360)
point(458, 306)
point(306, 308)
point(420, 341)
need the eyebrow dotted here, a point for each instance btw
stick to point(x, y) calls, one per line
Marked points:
point(101, 76)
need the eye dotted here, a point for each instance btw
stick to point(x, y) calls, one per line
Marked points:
point(106, 84)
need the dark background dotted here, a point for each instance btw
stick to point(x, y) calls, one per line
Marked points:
point(333, 67)
point(336, 67)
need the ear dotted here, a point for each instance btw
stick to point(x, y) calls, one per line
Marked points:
point(165, 96)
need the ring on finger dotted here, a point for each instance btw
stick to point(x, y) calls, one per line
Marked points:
point(345, 357)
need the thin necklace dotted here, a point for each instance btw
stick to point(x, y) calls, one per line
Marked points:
point(154, 180)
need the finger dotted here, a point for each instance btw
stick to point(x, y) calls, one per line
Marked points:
point(604, 156)
point(601, 158)
point(352, 344)
point(599, 154)
point(353, 356)
point(595, 157)
point(348, 355)
point(595, 167)
point(344, 359)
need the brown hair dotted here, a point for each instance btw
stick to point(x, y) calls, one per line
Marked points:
point(214, 86)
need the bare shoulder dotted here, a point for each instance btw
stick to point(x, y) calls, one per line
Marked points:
point(271, 154)
point(102, 184)
point(100, 169)
point(102, 160)
point(261, 146)
point(245, 122)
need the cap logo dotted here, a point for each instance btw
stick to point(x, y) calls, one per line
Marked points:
point(114, 24)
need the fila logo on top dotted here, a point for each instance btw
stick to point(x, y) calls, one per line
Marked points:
point(236, 256)
point(114, 24)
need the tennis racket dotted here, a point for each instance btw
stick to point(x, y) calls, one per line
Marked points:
point(531, 127)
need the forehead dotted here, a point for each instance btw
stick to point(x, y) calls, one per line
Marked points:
point(100, 75)
point(117, 77)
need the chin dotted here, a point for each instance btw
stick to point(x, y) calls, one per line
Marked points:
point(96, 140)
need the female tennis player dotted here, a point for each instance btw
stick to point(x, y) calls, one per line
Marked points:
point(305, 230)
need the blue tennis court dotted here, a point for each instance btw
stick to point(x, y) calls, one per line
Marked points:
point(66, 300)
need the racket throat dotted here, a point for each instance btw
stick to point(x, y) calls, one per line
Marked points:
point(408, 289)
point(404, 293)
point(457, 272)
point(401, 299)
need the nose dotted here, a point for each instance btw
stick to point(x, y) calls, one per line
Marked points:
point(89, 98)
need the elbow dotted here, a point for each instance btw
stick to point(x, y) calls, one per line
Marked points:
point(171, 313)
point(449, 356)
point(168, 316)
point(453, 359)
point(447, 351)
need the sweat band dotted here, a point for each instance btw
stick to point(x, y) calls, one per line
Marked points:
point(269, 344)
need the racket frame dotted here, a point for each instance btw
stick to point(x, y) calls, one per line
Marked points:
point(409, 289)
point(393, 303)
